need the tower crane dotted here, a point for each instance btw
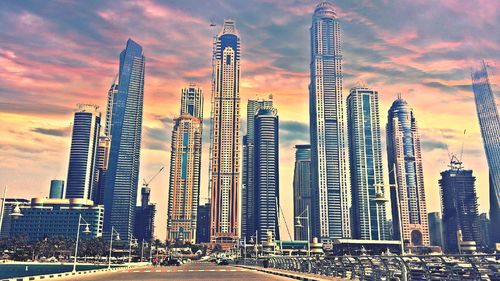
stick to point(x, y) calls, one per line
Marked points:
point(146, 183)
point(145, 191)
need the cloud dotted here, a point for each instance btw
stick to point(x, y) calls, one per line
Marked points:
point(56, 132)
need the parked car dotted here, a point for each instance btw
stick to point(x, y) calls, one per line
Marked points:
point(170, 262)
point(222, 261)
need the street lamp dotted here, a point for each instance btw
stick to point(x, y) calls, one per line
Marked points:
point(299, 219)
point(131, 241)
point(85, 231)
point(113, 232)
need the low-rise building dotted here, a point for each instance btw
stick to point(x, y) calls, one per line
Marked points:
point(49, 217)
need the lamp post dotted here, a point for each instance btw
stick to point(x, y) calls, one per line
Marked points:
point(113, 232)
point(144, 244)
point(85, 231)
point(299, 224)
point(255, 244)
point(131, 241)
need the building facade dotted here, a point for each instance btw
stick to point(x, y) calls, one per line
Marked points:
point(192, 101)
point(489, 122)
point(266, 173)
point(46, 217)
point(84, 139)
point(7, 220)
point(369, 220)
point(56, 189)
point(406, 175)
point(435, 229)
point(247, 179)
point(224, 172)
point(327, 129)
point(184, 184)
point(459, 203)
point(302, 188)
point(120, 194)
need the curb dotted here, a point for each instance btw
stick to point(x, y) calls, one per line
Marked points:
point(284, 274)
point(66, 274)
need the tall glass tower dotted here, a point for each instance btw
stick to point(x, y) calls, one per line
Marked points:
point(185, 163)
point(330, 214)
point(406, 175)
point(369, 220)
point(224, 179)
point(126, 128)
point(247, 181)
point(302, 187)
point(266, 173)
point(489, 121)
point(82, 158)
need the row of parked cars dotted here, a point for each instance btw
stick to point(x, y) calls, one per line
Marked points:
point(175, 261)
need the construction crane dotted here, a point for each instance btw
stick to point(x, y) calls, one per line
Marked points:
point(146, 191)
point(146, 183)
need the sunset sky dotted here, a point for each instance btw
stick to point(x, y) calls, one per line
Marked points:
point(55, 54)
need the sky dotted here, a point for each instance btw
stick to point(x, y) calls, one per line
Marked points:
point(56, 54)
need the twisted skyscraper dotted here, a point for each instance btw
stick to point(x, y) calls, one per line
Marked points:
point(126, 128)
point(328, 153)
point(489, 121)
point(225, 135)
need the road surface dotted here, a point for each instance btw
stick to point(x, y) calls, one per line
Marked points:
point(206, 271)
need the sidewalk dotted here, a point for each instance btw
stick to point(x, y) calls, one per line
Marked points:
point(292, 274)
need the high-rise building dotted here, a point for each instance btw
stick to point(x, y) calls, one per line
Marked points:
point(145, 217)
point(47, 217)
point(247, 180)
point(224, 173)
point(184, 185)
point(120, 194)
point(459, 203)
point(369, 220)
point(113, 90)
point(266, 173)
point(203, 224)
point(302, 188)
point(485, 227)
point(330, 214)
point(192, 101)
point(101, 167)
point(84, 139)
point(436, 229)
point(56, 189)
point(406, 175)
point(185, 164)
point(489, 122)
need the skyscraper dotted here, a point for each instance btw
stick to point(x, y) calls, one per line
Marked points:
point(266, 173)
point(459, 203)
point(435, 229)
point(330, 206)
point(113, 90)
point(224, 178)
point(406, 175)
point(489, 122)
point(248, 191)
point(56, 189)
point(302, 187)
point(203, 224)
point(145, 216)
point(185, 164)
point(101, 167)
point(124, 157)
point(365, 157)
point(81, 170)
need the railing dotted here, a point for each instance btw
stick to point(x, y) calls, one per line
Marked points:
point(391, 267)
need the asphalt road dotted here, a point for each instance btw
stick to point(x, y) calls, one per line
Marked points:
point(205, 271)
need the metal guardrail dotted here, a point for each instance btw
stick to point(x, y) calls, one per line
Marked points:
point(391, 267)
